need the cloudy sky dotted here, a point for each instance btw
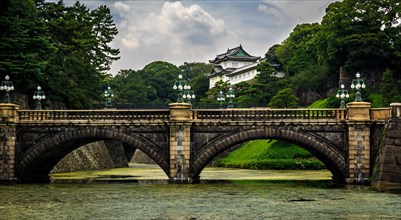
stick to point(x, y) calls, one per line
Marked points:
point(198, 30)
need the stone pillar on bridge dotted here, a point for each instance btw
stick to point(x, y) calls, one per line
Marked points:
point(180, 142)
point(358, 142)
point(8, 134)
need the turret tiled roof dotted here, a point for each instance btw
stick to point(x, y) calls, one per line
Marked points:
point(237, 54)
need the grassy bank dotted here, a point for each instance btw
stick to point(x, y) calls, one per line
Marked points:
point(271, 154)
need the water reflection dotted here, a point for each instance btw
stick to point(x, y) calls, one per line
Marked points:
point(142, 172)
point(235, 200)
point(224, 198)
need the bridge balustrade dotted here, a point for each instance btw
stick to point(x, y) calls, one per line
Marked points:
point(202, 114)
point(379, 114)
point(269, 114)
point(72, 115)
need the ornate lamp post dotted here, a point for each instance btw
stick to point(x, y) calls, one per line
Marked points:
point(7, 86)
point(108, 94)
point(341, 94)
point(39, 95)
point(221, 98)
point(185, 94)
point(358, 84)
point(188, 94)
point(230, 95)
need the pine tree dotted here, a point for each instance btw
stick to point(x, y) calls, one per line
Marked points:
point(24, 44)
point(388, 88)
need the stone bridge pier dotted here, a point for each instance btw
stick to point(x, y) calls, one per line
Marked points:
point(8, 134)
point(180, 142)
point(359, 148)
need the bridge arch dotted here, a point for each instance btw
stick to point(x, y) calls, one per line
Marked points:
point(323, 150)
point(36, 164)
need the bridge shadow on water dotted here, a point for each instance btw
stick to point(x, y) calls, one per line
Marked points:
point(128, 179)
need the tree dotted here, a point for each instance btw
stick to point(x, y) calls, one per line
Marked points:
point(160, 77)
point(315, 78)
point(213, 92)
point(360, 34)
point(245, 94)
point(104, 31)
point(284, 99)
point(388, 88)
point(271, 54)
point(264, 86)
point(298, 51)
point(74, 75)
point(260, 89)
point(129, 88)
point(25, 44)
point(196, 74)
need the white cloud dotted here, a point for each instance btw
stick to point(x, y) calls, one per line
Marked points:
point(122, 8)
point(195, 31)
point(268, 9)
point(172, 34)
point(301, 11)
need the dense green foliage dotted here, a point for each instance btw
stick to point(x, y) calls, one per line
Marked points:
point(25, 44)
point(154, 83)
point(358, 35)
point(64, 49)
point(270, 154)
point(284, 99)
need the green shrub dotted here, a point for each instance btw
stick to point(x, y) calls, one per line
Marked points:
point(377, 101)
point(284, 150)
point(321, 103)
point(278, 164)
point(270, 154)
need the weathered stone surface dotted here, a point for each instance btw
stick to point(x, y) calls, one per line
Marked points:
point(140, 157)
point(390, 169)
point(117, 154)
point(388, 163)
point(386, 186)
point(394, 134)
point(89, 157)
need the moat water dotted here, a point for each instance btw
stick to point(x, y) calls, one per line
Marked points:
point(142, 192)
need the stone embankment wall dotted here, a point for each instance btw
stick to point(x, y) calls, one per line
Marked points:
point(387, 169)
point(93, 156)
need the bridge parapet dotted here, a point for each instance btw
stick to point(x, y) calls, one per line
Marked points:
point(92, 115)
point(269, 114)
point(379, 114)
point(395, 110)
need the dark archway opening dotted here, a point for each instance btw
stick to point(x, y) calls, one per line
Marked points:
point(333, 159)
point(35, 165)
point(265, 160)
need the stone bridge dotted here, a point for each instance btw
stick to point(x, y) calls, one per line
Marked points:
point(182, 141)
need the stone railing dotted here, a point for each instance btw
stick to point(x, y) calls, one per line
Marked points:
point(379, 114)
point(104, 114)
point(269, 114)
point(258, 114)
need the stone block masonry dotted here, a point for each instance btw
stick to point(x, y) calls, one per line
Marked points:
point(387, 170)
point(8, 115)
point(358, 142)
